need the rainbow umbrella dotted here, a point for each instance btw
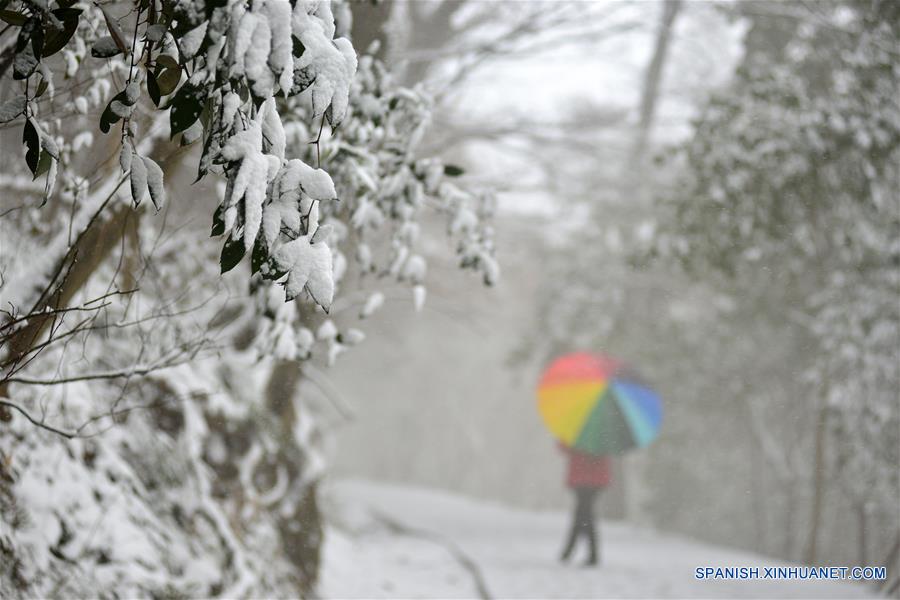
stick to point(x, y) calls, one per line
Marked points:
point(595, 404)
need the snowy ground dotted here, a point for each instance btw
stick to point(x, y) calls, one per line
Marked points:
point(403, 542)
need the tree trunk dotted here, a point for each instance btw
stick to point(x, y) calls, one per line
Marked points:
point(301, 530)
point(759, 494)
point(861, 514)
point(789, 522)
point(819, 482)
point(892, 566)
point(653, 80)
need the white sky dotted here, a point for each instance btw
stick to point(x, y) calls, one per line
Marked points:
point(542, 87)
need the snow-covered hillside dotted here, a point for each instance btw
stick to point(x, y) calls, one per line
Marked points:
point(403, 542)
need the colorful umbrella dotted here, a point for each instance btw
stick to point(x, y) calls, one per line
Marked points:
point(595, 404)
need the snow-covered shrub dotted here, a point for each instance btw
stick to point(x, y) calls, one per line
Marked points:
point(157, 446)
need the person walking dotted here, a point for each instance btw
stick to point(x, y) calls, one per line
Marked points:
point(587, 476)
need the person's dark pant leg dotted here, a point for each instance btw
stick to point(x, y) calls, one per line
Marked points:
point(583, 524)
point(590, 530)
point(574, 529)
point(585, 518)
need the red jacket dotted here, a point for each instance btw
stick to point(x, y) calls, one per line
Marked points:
point(586, 470)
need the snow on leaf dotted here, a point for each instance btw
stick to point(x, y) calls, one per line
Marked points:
point(250, 182)
point(272, 128)
point(12, 108)
point(373, 303)
point(271, 222)
point(254, 197)
point(297, 176)
point(230, 104)
point(334, 350)
point(414, 269)
point(332, 61)
point(419, 293)
point(105, 47)
point(132, 93)
point(256, 64)
point(352, 336)
point(191, 41)
point(240, 36)
point(305, 341)
point(327, 331)
point(115, 31)
point(138, 181)
point(339, 266)
point(465, 221)
point(322, 233)
point(155, 182)
point(243, 143)
point(51, 179)
point(364, 256)
point(125, 156)
point(308, 266)
point(281, 62)
point(367, 214)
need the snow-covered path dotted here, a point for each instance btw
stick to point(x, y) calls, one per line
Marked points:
point(403, 542)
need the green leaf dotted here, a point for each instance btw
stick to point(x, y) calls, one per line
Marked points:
point(13, 18)
point(115, 31)
point(12, 108)
point(131, 94)
point(211, 5)
point(232, 253)
point(192, 134)
point(218, 226)
point(48, 144)
point(126, 155)
point(453, 171)
point(186, 107)
point(119, 108)
point(168, 79)
point(297, 47)
point(43, 164)
point(210, 150)
point(155, 182)
point(32, 142)
point(55, 40)
point(105, 47)
point(28, 48)
point(155, 33)
point(303, 78)
point(119, 105)
point(167, 61)
point(153, 88)
point(108, 118)
point(42, 87)
point(138, 180)
point(260, 254)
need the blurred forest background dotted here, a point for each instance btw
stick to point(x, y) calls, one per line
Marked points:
point(707, 190)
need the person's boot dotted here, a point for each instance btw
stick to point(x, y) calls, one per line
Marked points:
point(593, 558)
point(570, 545)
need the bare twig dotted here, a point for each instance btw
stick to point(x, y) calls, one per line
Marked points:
point(36, 422)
